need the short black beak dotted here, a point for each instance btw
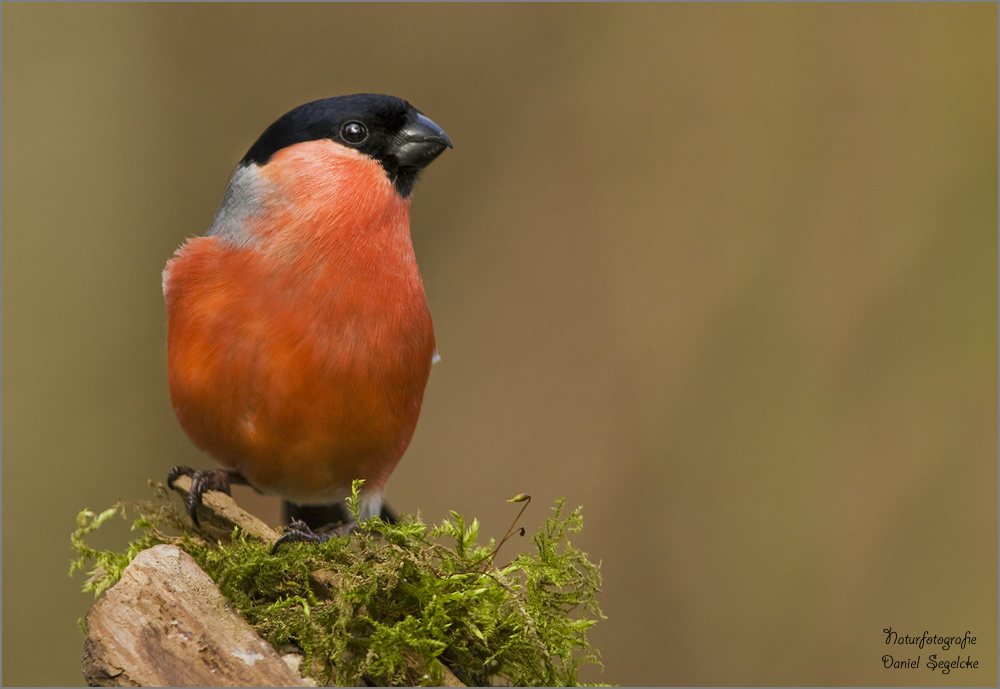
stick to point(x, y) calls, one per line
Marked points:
point(420, 142)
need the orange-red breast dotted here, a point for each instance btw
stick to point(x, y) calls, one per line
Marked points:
point(299, 338)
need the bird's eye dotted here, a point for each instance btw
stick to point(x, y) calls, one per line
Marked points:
point(354, 132)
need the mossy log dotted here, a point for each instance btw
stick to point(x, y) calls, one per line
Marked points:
point(167, 624)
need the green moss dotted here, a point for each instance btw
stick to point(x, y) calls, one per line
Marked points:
point(401, 595)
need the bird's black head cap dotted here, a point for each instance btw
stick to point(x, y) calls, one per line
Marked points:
point(386, 128)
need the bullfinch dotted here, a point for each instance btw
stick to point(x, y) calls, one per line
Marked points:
point(299, 341)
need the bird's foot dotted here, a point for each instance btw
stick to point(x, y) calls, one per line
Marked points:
point(201, 481)
point(299, 532)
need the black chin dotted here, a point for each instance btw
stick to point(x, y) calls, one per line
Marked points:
point(403, 179)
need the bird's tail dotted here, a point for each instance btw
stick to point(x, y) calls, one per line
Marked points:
point(318, 517)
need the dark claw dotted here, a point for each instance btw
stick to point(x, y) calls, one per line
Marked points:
point(176, 472)
point(299, 532)
point(201, 481)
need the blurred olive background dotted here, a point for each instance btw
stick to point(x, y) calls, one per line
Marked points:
point(724, 275)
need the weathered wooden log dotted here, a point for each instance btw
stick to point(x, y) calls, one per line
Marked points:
point(166, 624)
